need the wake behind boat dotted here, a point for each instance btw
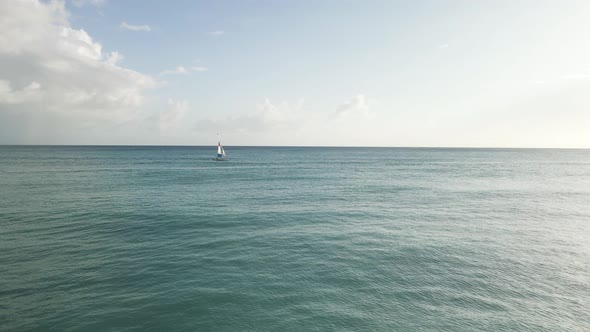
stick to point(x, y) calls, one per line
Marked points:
point(220, 153)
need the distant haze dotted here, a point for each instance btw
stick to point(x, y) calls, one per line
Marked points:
point(352, 73)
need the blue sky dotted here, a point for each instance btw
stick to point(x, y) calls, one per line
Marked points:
point(366, 73)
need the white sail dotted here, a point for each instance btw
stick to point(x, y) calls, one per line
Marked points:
point(220, 152)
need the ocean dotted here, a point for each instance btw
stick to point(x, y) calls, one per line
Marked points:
point(99, 238)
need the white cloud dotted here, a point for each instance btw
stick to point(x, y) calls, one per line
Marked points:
point(49, 70)
point(274, 116)
point(298, 123)
point(171, 119)
point(267, 117)
point(358, 104)
point(80, 3)
point(443, 46)
point(180, 70)
point(131, 27)
point(216, 33)
point(114, 58)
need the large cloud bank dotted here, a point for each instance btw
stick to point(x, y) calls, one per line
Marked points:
point(55, 78)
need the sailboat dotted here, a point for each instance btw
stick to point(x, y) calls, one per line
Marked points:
point(220, 153)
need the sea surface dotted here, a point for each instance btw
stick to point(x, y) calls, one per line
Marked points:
point(294, 239)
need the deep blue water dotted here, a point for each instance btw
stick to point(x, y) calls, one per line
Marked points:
point(299, 239)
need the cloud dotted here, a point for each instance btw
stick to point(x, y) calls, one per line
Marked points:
point(114, 58)
point(216, 33)
point(131, 27)
point(443, 46)
point(81, 3)
point(180, 70)
point(10, 96)
point(267, 117)
point(50, 71)
point(171, 119)
point(358, 104)
point(297, 123)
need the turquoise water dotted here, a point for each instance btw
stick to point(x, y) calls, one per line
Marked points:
point(298, 239)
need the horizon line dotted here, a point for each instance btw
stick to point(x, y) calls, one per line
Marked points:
point(302, 146)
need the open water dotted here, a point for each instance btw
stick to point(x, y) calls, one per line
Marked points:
point(294, 239)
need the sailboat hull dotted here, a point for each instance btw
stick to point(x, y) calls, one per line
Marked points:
point(220, 159)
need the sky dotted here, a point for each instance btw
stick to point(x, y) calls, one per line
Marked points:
point(512, 73)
